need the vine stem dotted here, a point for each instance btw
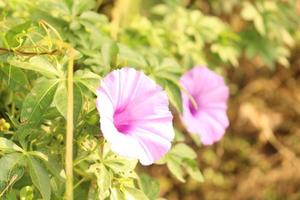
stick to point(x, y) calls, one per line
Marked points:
point(26, 53)
point(69, 136)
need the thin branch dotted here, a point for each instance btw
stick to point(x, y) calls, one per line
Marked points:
point(12, 180)
point(26, 53)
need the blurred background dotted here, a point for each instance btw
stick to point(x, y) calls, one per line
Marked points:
point(255, 45)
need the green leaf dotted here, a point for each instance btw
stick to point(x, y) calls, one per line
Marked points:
point(109, 53)
point(226, 52)
point(250, 12)
point(174, 165)
point(193, 170)
point(93, 17)
point(183, 157)
point(38, 14)
point(78, 101)
point(104, 180)
point(116, 162)
point(88, 79)
point(60, 100)
point(14, 76)
point(39, 177)
point(150, 186)
point(184, 151)
point(259, 25)
point(174, 94)
point(170, 82)
point(38, 64)
point(22, 133)
point(134, 194)
point(11, 195)
point(120, 164)
point(262, 47)
point(170, 65)
point(129, 57)
point(38, 100)
point(55, 168)
point(81, 193)
point(8, 162)
point(117, 194)
point(11, 35)
point(8, 146)
point(80, 6)
point(171, 77)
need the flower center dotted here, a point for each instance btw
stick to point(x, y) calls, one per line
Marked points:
point(122, 120)
point(193, 109)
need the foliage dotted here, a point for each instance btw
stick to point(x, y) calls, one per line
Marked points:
point(169, 39)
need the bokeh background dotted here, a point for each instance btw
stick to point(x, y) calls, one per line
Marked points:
point(259, 156)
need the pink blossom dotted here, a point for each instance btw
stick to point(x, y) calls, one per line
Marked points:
point(206, 116)
point(134, 115)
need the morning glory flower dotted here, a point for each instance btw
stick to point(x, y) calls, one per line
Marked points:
point(134, 115)
point(205, 115)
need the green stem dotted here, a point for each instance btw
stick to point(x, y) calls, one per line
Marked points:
point(69, 136)
point(26, 53)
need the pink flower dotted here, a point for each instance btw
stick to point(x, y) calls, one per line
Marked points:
point(134, 115)
point(207, 115)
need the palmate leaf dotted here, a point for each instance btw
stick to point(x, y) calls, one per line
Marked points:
point(38, 100)
point(39, 177)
